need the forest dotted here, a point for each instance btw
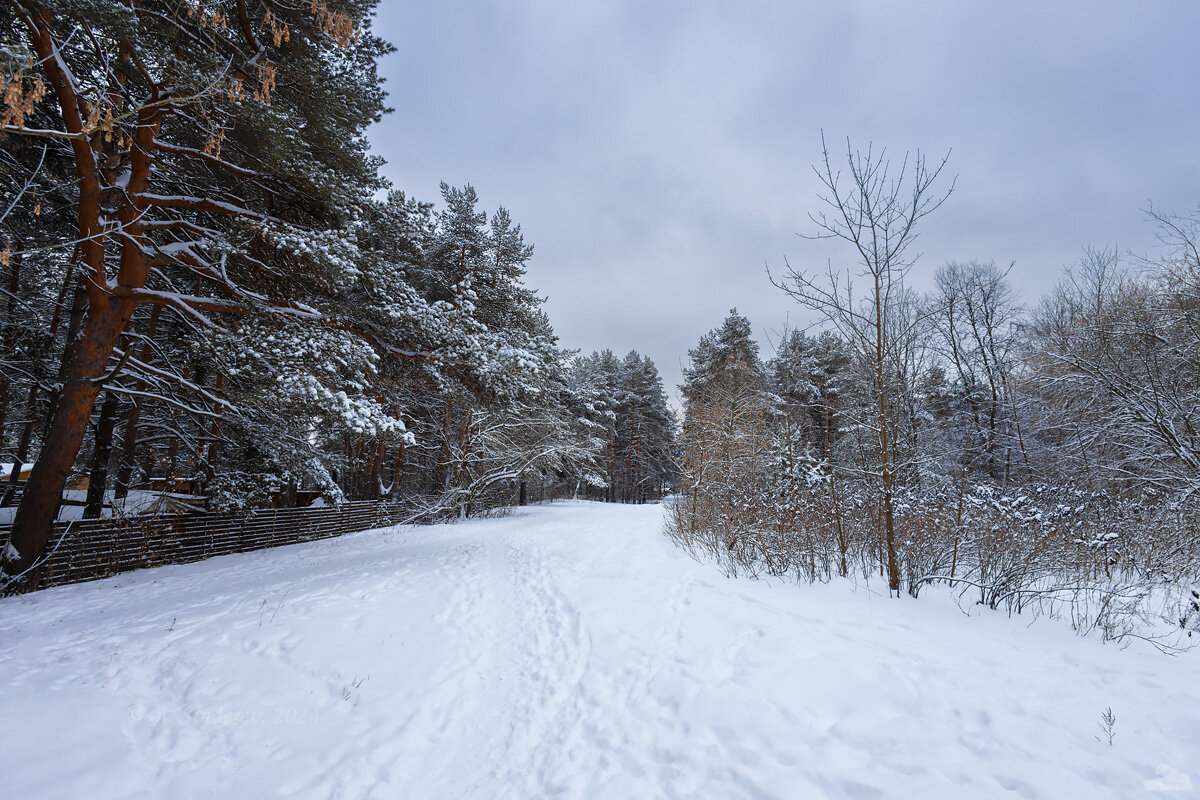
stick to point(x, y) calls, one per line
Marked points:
point(317, 482)
point(211, 291)
point(1042, 459)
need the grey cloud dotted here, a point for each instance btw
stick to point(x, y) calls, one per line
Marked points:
point(658, 153)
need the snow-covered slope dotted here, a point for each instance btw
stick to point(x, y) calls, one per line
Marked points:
point(565, 651)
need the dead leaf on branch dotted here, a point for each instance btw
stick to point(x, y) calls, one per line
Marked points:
point(21, 100)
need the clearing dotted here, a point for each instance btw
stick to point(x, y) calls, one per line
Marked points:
point(564, 651)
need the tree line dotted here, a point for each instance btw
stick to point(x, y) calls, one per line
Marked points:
point(209, 286)
point(1043, 457)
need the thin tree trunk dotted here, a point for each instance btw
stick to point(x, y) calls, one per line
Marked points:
point(26, 440)
point(207, 472)
point(958, 517)
point(98, 475)
point(375, 480)
point(398, 472)
point(632, 456)
point(833, 496)
point(444, 460)
point(22, 453)
point(885, 453)
point(129, 442)
point(10, 332)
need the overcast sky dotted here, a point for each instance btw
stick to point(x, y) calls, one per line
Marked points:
point(658, 153)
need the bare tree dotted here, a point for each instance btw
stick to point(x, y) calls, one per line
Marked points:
point(1114, 365)
point(976, 320)
point(874, 207)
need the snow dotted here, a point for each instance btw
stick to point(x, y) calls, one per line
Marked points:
point(6, 469)
point(569, 651)
point(137, 501)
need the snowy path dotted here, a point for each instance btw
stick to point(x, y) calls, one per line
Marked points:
point(566, 651)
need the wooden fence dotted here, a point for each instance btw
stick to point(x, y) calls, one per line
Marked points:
point(85, 550)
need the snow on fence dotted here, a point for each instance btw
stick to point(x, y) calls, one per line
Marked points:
point(84, 550)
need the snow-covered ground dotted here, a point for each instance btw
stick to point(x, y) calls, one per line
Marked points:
point(565, 651)
point(138, 501)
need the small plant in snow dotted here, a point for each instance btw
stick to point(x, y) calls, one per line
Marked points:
point(349, 690)
point(1108, 726)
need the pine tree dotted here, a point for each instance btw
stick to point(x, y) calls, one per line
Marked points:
point(648, 430)
point(217, 160)
point(726, 440)
point(732, 343)
point(624, 408)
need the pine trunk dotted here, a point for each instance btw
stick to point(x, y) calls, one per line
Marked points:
point(98, 475)
point(129, 442)
point(43, 493)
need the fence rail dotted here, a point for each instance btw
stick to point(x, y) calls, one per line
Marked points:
point(84, 550)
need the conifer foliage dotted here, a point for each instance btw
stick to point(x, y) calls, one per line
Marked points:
point(726, 441)
point(205, 291)
point(209, 156)
point(625, 412)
